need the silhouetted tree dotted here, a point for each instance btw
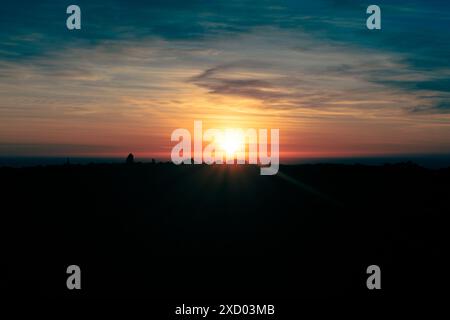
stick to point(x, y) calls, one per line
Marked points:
point(130, 159)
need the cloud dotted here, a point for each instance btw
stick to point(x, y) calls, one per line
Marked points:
point(436, 107)
point(278, 69)
point(291, 71)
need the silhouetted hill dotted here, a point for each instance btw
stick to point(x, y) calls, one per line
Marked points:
point(166, 231)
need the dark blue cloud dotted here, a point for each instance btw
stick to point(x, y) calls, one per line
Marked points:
point(420, 26)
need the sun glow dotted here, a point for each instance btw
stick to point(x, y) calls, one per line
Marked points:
point(231, 142)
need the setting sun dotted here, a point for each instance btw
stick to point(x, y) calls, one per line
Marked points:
point(231, 142)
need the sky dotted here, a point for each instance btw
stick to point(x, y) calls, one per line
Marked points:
point(137, 70)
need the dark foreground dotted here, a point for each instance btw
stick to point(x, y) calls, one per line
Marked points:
point(224, 233)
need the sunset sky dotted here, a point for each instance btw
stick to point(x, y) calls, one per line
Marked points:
point(137, 70)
